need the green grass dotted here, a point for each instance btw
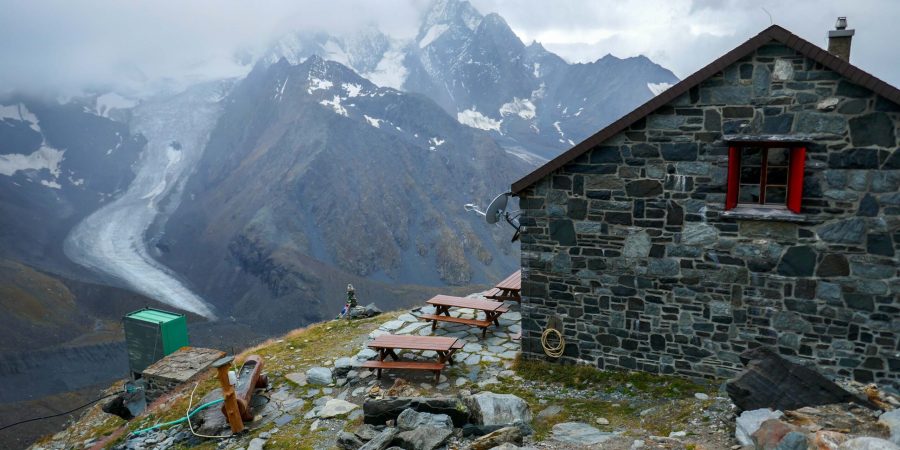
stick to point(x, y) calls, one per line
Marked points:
point(670, 398)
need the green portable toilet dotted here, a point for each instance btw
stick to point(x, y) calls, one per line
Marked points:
point(151, 334)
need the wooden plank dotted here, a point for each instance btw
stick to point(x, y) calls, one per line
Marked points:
point(475, 322)
point(415, 342)
point(462, 302)
point(512, 282)
point(415, 365)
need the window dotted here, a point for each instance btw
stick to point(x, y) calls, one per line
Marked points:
point(765, 175)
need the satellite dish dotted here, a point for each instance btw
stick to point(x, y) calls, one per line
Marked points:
point(496, 208)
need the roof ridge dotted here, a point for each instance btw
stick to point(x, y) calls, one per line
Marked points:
point(772, 33)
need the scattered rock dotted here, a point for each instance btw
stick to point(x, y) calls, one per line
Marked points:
point(472, 430)
point(547, 413)
point(488, 408)
point(828, 440)
point(579, 433)
point(348, 441)
point(379, 411)
point(749, 421)
point(256, 444)
point(868, 443)
point(380, 441)
point(319, 375)
point(410, 419)
point(423, 438)
point(342, 366)
point(602, 421)
point(770, 433)
point(297, 378)
point(794, 440)
point(891, 420)
point(770, 381)
point(336, 407)
point(497, 438)
point(701, 396)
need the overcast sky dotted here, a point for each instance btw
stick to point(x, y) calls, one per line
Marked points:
point(72, 45)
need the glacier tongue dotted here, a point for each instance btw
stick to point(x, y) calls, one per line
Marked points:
point(112, 239)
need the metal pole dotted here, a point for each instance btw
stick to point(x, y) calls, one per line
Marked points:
point(230, 406)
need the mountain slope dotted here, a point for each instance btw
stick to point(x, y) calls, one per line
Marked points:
point(315, 176)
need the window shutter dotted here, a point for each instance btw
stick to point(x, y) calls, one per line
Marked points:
point(795, 179)
point(734, 176)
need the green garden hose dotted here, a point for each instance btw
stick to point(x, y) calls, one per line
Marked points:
point(174, 422)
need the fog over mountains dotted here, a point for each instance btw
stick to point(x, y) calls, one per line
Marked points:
point(337, 158)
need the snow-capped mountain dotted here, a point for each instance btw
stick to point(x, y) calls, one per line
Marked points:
point(314, 173)
point(477, 69)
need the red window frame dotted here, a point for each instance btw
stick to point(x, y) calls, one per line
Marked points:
point(796, 162)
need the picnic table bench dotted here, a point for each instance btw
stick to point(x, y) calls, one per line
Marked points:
point(443, 303)
point(386, 344)
point(508, 289)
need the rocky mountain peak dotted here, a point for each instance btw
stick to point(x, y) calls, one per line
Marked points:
point(450, 12)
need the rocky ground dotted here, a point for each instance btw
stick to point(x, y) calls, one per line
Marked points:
point(318, 398)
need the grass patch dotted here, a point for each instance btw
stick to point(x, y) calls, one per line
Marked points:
point(586, 377)
point(669, 399)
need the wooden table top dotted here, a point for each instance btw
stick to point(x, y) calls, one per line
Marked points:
point(436, 343)
point(462, 302)
point(512, 282)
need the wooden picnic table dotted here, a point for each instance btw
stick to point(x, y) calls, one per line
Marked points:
point(443, 303)
point(388, 343)
point(508, 289)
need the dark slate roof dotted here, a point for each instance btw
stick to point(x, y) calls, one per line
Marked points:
point(773, 33)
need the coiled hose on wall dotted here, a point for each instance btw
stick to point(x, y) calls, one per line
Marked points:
point(553, 351)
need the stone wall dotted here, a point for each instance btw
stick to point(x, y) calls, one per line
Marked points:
point(629, 245)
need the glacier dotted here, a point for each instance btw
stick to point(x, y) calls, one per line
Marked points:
point(113, 239)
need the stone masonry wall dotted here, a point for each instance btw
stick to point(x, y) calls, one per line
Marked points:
point(628, 245)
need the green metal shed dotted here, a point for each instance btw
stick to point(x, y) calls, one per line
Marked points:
point(150, 335)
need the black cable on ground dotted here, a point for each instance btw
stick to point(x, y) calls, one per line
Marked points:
point(60, 414)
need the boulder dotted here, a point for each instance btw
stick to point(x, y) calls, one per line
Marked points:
point(348, 441)
point(488, 408)
point(828, 440)
point(410, 419)
point(366, 432)
point(372, 310)
point(578, 433)
point(342, 366)
point(891, 420)
point(770, 381)
point(868, 443)
point(749, 421)
point(794, 440)
point(497, 438)
point(336, 407)
point(770, 433)
point(469, 429)
point(422, 438)
point(381, 440)
point(379, 411)
point(319, 375)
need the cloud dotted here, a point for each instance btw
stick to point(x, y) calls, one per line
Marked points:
point(66, 47)
point(685, 35)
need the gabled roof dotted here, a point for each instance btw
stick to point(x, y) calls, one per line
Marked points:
point(773, 33)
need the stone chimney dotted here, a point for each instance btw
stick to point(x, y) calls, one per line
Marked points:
point(839, 39)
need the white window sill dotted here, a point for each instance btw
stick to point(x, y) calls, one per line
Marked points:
point(774, 214)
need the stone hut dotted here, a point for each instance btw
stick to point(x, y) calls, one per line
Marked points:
point(755, 203)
